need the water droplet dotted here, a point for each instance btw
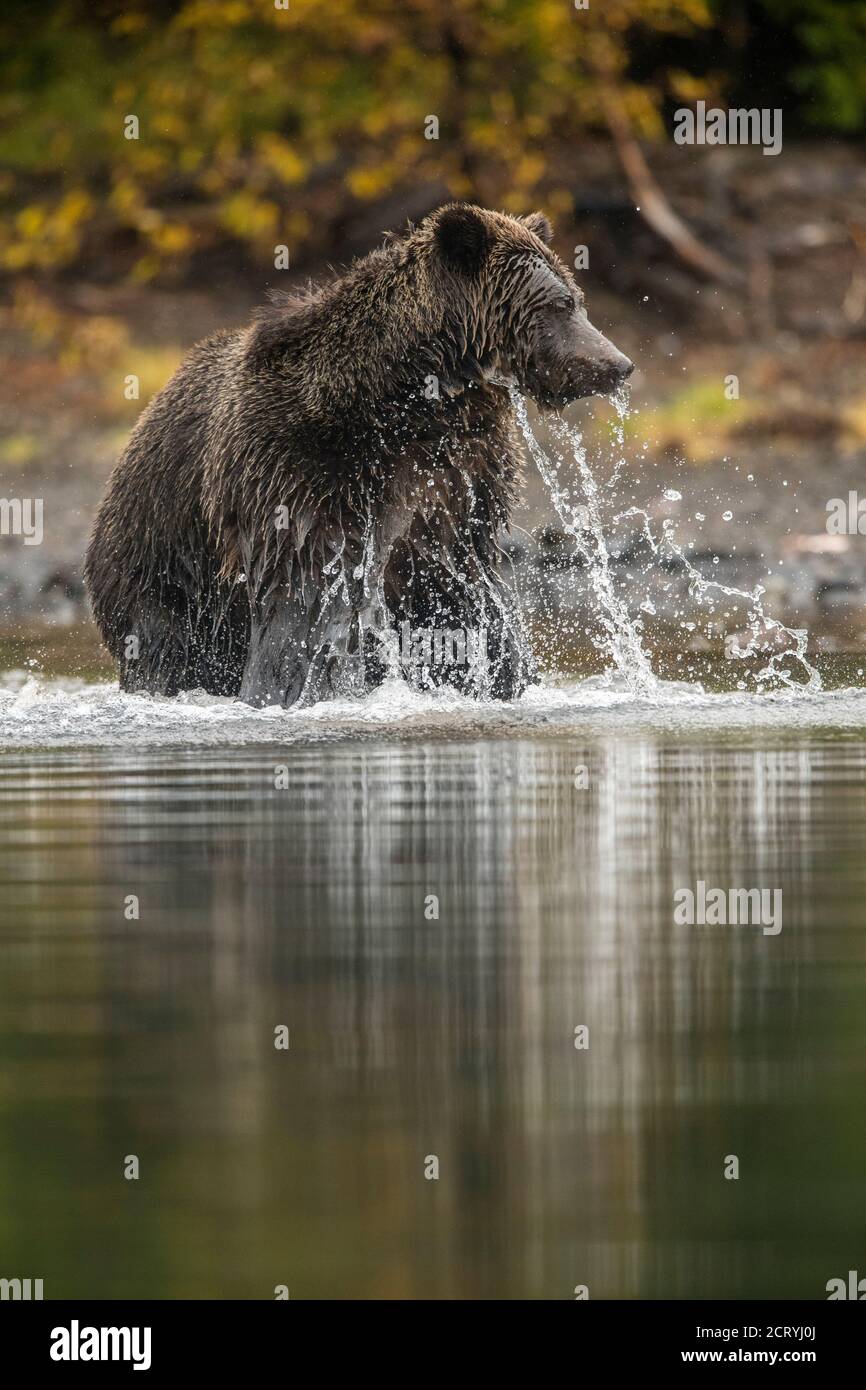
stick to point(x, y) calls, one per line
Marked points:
point(727, 516)
point(671, 495)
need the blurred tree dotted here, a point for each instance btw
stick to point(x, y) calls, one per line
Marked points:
point(262, 125)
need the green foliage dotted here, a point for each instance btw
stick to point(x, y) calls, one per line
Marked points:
point(820, 47)
point(834, 38)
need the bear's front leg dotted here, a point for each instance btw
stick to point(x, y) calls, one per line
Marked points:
point(278, 659)
point(504, 664)
point(510, 664)
point(298, 651)
point(469, 627)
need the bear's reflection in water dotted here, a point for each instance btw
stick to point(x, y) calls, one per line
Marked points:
point(432, 922)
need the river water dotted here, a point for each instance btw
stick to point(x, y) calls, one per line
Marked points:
point(431, 896)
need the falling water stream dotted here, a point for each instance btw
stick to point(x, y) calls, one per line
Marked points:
point(579, 503)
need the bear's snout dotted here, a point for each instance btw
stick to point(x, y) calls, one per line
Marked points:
point(622, 366)
point(609, 374)
point(596, 365)
point(575, 360)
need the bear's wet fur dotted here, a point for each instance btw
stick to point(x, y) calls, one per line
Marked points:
point(341, 468)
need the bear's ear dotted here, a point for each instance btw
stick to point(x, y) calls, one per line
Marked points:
point(538, 224)
point(463, 238)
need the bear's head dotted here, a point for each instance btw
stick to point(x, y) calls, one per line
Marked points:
point(528, 324)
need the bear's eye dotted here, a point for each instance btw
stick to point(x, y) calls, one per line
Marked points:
point(564, 306)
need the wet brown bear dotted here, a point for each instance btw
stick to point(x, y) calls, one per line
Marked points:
point(342, 470)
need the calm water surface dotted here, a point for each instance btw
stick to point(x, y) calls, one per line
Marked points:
point(304, 905)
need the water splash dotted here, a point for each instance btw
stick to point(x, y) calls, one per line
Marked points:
point(41, 713)
point(762, 630)
point(584, 524)
point(358, 639)
point(784, 648)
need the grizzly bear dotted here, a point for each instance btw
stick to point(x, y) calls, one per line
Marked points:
point(342, 471)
